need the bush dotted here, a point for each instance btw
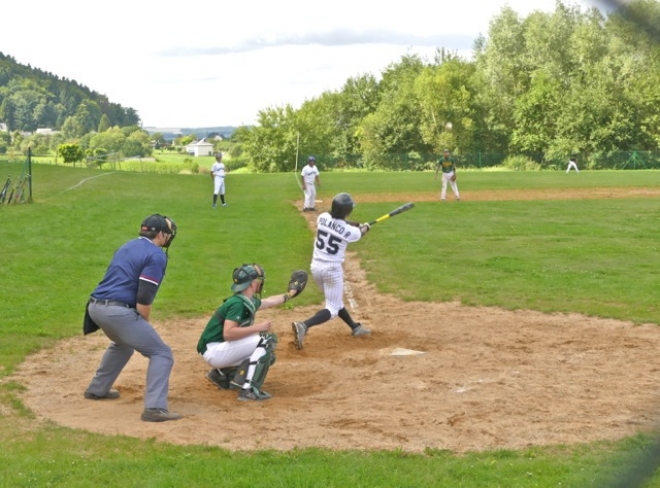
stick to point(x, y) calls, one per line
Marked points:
point(521, 163)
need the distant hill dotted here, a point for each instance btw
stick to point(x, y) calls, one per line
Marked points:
point(31, 98)
point(170, 133)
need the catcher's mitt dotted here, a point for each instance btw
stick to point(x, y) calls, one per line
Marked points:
point(453, 177)
point(297, 282)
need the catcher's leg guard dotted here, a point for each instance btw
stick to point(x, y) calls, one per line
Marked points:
point(254, 369)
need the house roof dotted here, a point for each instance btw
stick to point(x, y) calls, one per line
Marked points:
point(200, 143)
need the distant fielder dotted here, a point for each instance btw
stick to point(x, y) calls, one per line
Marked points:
point(310, 178)
point(218, 171)
point(572, 165)
point(448, 166)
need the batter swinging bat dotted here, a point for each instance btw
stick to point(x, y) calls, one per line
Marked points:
point(394, 212)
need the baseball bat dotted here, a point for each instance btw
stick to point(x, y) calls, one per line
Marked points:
point(396, 211)
point(5, 188)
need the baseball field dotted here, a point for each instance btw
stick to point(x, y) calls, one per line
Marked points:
point(515, 333)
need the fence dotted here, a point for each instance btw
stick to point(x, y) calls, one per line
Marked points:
point(628, 160)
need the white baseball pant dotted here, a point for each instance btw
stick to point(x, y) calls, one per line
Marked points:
point(446, 177)
point(233, 353)
point(219, 185)
point(330, 279)
point(310, 196)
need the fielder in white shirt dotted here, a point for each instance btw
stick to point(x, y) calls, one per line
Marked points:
point(310, 178)
point(218, 176)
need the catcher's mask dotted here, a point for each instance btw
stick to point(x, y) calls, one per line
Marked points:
point(156, 223)
point(245, 275)
point(342, 206)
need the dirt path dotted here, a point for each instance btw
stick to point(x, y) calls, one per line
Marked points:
point(487, 378)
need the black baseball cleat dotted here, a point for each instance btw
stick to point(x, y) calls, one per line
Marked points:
point(253, 395)
point(219, 379)
point(360, 330)
point(299, 331)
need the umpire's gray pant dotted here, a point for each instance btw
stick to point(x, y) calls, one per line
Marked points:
point(129, 332)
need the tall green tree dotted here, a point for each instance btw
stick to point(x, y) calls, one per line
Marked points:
point(72, 128)
point(271, 145)
point(104, 123)
point(111, 140)
point(70, 153)
point(394, 127)
point(445, 94)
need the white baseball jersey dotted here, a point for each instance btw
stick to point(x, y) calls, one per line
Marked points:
point(218, 169)
point(309, 174)
point(332, 238)
point(218, 172)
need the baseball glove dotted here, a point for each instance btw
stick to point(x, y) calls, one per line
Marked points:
point(297, 282)
point(453, 177)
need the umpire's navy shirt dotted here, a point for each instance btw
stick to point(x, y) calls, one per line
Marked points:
point(138, 259)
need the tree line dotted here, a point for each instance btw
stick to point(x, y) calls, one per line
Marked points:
point(536, 90)
point(31, 98)
point(545, 86)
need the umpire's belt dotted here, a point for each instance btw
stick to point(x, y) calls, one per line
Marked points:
point(109, 303)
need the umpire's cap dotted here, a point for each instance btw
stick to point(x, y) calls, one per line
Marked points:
point(158, 223)
point(243, 276)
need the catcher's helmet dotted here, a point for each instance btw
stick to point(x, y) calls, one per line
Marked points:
point(342, 206)
point(244, 275)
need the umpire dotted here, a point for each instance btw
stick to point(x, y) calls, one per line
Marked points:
point(120, 306)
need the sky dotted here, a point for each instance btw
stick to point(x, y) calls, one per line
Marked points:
point(214, 63)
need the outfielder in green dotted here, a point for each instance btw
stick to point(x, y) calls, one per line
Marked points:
point(448, 166)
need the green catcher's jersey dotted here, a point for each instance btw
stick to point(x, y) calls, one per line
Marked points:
point(238, 308)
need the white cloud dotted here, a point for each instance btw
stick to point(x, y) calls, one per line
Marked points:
point(219, 63)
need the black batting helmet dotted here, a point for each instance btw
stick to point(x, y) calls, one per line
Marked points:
point(342, 206)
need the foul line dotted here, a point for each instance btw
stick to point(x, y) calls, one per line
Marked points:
point(87, 179)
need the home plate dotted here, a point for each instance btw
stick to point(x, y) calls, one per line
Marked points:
point(399, 351)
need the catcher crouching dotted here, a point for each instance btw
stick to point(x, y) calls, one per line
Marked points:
point(239, 349)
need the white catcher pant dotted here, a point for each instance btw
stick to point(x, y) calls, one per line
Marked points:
point(219, 185)
point(330, 279)
point(446, 178)
point(232, 353)
point(310, 196)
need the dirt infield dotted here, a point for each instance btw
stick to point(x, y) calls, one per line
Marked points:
point(487, 378)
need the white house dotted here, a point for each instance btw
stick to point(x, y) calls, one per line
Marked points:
point(46, 131)
point(200, 148)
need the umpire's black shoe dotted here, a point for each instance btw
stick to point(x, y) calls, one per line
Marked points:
point(159, 415)
point(111, 395)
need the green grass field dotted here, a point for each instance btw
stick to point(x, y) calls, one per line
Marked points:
point(593, 256)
